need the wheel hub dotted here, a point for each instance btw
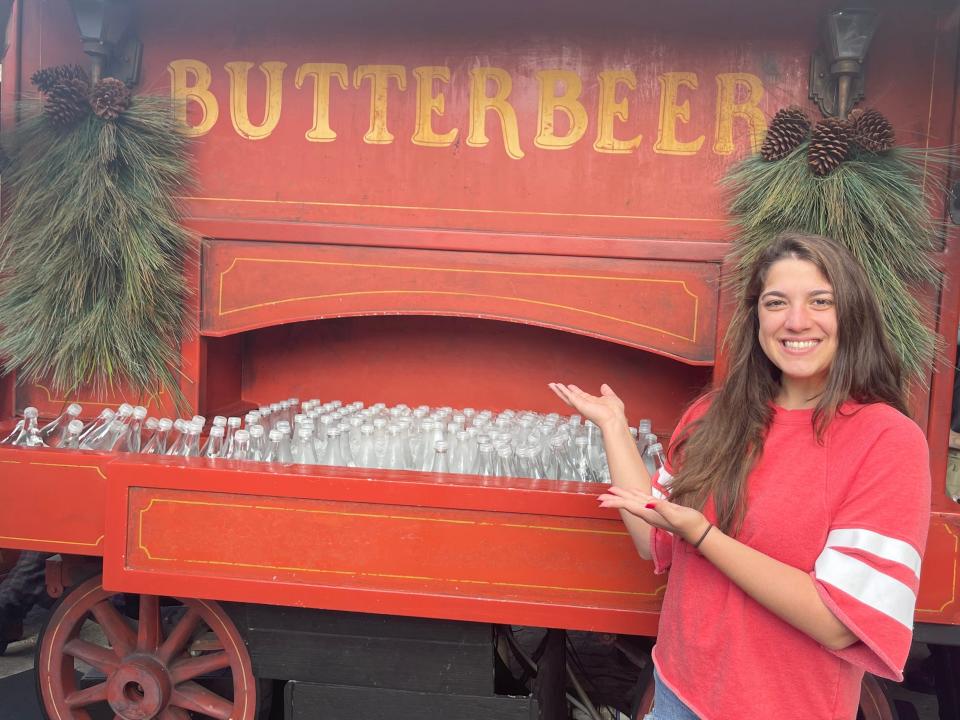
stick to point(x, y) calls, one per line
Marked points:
point(139, 689)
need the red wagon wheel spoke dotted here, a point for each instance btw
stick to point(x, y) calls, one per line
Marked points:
point(114, 625)
point(148, 631)
point(173, 713)
point(195, 667)
point(149, 671)
point(179, 637)
point(99, 657)
point(191, 696)
point(89, 696)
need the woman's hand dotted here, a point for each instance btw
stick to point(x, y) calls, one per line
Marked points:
point(683, 522)
point(602, 410)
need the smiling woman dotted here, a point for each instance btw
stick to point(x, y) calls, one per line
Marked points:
point(794, 506)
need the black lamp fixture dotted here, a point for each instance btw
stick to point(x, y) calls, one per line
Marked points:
point(106, 31)
point(836, 68)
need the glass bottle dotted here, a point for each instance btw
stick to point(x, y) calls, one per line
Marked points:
point(334, 449)
point(233, 424)
point(505, 466)
point(367, 452)
point(655, 454)
point(396, 456)
point(157, 444)
point(440, 462)
point(21, 432)
point(191, 446)
point(176, 443)
point(306, 454)
point(559, 466)
point(110, 436)
point(258, 445)
point(103, 419)
point(486, 460)
point(275, 447)
point(213, 448)
point(583, 469)
point(461, 459)
point(650, 440)
point(345, 451)
point(241, 445)
point(53, 432)
point(132, 439)
point(71, 439)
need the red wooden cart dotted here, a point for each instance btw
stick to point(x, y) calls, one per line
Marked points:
point(441, 204)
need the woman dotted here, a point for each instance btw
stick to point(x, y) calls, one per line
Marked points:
point(794, 508)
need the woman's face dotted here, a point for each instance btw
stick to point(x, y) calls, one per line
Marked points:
point(798, 322)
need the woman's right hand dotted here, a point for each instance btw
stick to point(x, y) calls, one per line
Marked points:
point(602, 410)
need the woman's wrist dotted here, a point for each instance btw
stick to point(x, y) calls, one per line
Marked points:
point(698, 533)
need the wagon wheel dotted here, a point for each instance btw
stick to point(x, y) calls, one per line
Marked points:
point(151, 670)
point(875, 704)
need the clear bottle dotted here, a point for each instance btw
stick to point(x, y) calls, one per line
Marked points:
point(191, 447)
point(250, 419)
point(396, 456)
point(233, 424)
point(21, 433)
point(528, 463)
point(650, 440)
point(334, 450)
point(461, 458)
point(34, 439)
point(275, 447)
point(367, 452)
point(213, 448)
point(655, 454)
point(157, 445)
point(346, 449)
point(95, 426)
point(486, 460)
point(306, 454)
point(559, 467)
point(505, 465)
point(258, 445)
point(71, 440)
point(150, 426)
point(132, 439)
point(111, 436)
point(241, 445)
point(583, 468)
point(178, 439)
point(440, 462)
point(53, 432)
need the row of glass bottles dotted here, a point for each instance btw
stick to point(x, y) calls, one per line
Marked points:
point(506, 444)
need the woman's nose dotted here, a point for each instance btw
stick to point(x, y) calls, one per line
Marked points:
point(798, 318)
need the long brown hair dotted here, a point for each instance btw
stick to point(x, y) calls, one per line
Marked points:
point(714, 455)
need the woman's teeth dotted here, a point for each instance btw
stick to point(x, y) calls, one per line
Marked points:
point(800, 344)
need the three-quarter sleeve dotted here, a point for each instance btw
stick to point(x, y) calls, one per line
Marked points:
point(868, 572)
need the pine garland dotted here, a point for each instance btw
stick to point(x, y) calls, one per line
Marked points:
point(873, 204)
point(92, 255)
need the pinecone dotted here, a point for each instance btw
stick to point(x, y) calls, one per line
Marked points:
point(870, 130)
point(46, 78)
point(789, 127)
point(110, 97)
point(829, 145)
point(67, 102)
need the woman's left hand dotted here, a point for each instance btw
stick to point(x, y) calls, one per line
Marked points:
point(684, 522)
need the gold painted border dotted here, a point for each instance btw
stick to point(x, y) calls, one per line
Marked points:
point(480, 211)
point(953, 584)
point(353, 573)
point(682, 283)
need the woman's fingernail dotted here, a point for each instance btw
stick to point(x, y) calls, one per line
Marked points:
point(650, 506)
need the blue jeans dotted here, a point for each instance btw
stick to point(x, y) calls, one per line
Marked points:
point(666, 705)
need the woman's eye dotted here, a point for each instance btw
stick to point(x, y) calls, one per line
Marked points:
point(773, 304)
point(823, 302)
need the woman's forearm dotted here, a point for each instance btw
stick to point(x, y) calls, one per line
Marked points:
point(787, 592)
point(628, 471)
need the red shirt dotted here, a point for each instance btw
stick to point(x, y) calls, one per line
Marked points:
point(854, 513)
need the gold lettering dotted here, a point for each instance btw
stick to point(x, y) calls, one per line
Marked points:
point(728, 108)
point(567, 103)
point(480, 103)
point(321, 73)
point(611, 110)
point(379, 75)
point(428, 104)
point(670, 112)
point(272, 98)
point(182, 93)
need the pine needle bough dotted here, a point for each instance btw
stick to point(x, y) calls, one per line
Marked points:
point(92, 254)
point(873, 202)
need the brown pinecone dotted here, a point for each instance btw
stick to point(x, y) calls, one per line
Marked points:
point(46, 78)
point(871, 130)
point(789, 127)
point(67, 102)
point(110, 97)
point(829, 145)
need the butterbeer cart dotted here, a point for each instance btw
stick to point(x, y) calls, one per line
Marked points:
point(439, 203)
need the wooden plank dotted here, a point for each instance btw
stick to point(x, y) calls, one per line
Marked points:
point(309, 701)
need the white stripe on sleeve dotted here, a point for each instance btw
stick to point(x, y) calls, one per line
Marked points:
point(876, 544)
point(867, 584)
